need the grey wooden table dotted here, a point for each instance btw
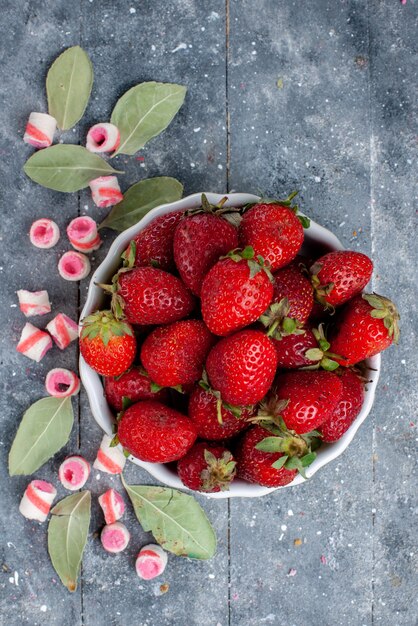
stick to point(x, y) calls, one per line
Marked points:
point(319, 96)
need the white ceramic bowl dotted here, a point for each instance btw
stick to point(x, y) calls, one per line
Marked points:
point(315, 236)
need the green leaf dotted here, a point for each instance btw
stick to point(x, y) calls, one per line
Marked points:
point(270, 444)
point(141, 198)
point(67, 536)
point(44, 429)
point(68, 86)
point(176, 520)
point(66, 167)
point(144, 112)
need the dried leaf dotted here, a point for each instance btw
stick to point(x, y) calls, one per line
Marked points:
point(141, 198)
point(67, 536)
point(144, 112)
point(66, 167)
point(176, 520)
point(44, 429)
point(68, 86)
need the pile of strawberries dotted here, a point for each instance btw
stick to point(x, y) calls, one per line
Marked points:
point(227, 351)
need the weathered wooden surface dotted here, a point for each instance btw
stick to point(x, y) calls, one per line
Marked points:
point(319, 96)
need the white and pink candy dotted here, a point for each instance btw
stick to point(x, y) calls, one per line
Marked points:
point(73, 266)
point(105, 191)
point(109, 459)
point(34, 343)
point(44, 233)
point(103, 138)
point(115, 537)
point(33, 303)
point(83, 235)
point(61, 383)
point(150, 562)
point(74, 472)
point(63, 330)
point(37, 500)
point(40, 130)
point(112, 505)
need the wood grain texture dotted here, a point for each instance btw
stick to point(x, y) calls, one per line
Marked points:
point(281, 95)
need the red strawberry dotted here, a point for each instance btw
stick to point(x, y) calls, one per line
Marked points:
point(107, 344)
point(274, 231)
point(199, 241)
point(291, 350)
point(340, 275)
point(174, 355)
point(203, 410)
point(242, 367)
point(207, 467)
point(367, 325)
point(235, 292)
point(154, 244)
point(152, 432)
point(146, 295)
point(256, 466)
point(290, 283)
point(134, 385)
point(311, 397)
point(348, 407)
point(307, 348)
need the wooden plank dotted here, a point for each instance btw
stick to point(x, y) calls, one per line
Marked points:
point(169, 42)
point(394, 58)
point(32, 36)
point(299, 119)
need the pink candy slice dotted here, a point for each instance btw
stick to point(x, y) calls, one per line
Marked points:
point(110, 459)
point(40, 130)
point(74, 266)
point(33, 303)
point(150, 562)
point(74, 472)
point(103, 138)
point(44, 233)
point(62, 383)
point(112, 505)
point(105, 191)
point(37, 499)
point(115, 537)
point(83, 235)
point(34, 343)
point(63, 330)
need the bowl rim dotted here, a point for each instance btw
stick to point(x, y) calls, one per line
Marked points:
point(92, 381)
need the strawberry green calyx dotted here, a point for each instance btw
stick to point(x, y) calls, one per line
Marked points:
point(213, 209)
point(128, 260)
point(219, 472)
point(128, 257)
point(104, 324)
point(321, 291)
point(321, 355)
point(155, 388)
point(384, 309)
point(277, 323)
point(255, 263)
point(297, 450)
point(235, 410)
